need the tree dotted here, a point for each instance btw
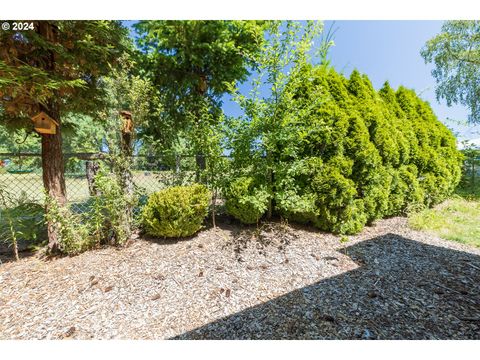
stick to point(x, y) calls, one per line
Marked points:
point(261, 133)
point(191, 63)
point(132, 101)
point(455, 53)
point(332, 151)
point(56, 68)
point(18, 141)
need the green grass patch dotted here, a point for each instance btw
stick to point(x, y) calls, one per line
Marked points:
point(456, 219)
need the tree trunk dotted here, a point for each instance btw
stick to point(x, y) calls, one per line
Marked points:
point(53, 167)
point(91, 169)
point(126, 177)
point(177, 164)
point(200, 160)
point(200, 157)
point(270, 184)
point(270, 200)
point(214, 208)
point(53, 178)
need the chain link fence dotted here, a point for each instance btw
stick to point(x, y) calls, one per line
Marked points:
point(22, 194)
point(21, 175)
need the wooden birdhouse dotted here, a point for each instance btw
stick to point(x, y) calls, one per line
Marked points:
point(44, 124)
point(127, 126)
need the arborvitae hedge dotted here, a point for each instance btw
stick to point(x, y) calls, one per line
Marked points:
point(360, 155)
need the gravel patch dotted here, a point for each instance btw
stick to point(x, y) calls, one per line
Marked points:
point(232, 282)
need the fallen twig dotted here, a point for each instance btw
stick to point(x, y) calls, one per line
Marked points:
point(469, 318)
point(447, 288)
point(473, 266)
point(457, 292)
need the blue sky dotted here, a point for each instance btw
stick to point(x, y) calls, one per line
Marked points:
point(388, 50)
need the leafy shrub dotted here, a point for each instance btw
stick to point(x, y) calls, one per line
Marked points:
point(20, 220)
point(293, 199)
point(104, 220)
point(355, 156)
point(295, 207)
point(405, 190)
point(74, 233)
point(177, 211)
point(108, 218)
point(24, 221)
point(339, 209)
point(28, 221)
point(245, 201)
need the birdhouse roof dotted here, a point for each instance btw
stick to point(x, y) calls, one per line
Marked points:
point(125, 112)
point(44, 115)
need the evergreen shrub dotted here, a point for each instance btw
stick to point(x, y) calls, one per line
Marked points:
point(246, 201)
point(177, 211)
point(357, 155)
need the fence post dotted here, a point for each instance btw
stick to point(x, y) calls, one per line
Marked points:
point(200, 160)
point(127, 133)
point(177, 163)
point(473, 170)
point(91, 169)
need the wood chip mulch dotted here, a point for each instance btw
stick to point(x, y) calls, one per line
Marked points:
point(279, 282)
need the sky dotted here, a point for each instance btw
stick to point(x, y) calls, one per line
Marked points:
point(388, 50)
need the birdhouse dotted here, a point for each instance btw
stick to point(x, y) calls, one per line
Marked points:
point(44, 124)
point(127, 126)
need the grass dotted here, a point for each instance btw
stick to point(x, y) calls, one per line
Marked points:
point(456, 219)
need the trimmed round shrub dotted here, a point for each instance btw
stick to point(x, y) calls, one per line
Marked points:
point(176, 212)
point(245, 201)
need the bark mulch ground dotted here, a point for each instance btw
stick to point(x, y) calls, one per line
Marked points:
point(279, 282)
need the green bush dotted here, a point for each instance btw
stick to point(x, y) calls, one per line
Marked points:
point(73, 232)
point(103, 219)
point(177, 211)
point(355, 156)
point(27, 220)
point(108, 219)
point(22, 221)
point(245, 201)
point(339, 208)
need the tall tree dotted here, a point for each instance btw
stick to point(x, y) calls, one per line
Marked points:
point(268, 126)
point(56, 68)
point(455, 53)
point(192, 63)
point(132, 102)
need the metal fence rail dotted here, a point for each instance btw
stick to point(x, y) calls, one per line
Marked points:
point(21, 174)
